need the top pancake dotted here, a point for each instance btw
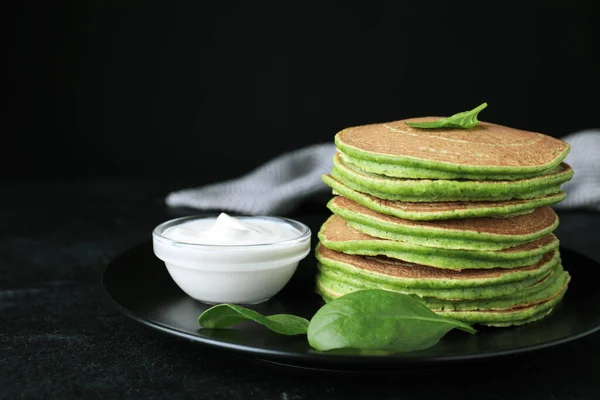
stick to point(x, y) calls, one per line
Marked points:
point(484, 148)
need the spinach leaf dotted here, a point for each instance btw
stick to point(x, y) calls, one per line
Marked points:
point(224, 315)
point(462, 120)
point(370, 321)
point(378, 320)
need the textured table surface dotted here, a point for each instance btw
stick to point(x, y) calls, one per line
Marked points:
point(61, 338)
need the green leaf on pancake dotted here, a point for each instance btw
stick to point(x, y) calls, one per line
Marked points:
point(462, 120)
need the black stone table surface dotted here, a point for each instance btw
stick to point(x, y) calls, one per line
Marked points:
point(61, 338)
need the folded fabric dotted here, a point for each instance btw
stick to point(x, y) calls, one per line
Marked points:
point(281, 184)
point(583, 191)
point(274, 188)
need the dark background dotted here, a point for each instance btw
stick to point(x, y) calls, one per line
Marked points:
point(209, 90)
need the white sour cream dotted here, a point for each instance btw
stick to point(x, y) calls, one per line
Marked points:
point(230, 260)
point(227, 230)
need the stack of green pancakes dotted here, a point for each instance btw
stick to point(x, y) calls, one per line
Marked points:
point(460, 218)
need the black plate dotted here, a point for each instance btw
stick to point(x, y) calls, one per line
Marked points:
point(140, 286)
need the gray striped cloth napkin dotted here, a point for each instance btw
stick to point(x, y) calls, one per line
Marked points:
point(583, 191)
point(281, 184)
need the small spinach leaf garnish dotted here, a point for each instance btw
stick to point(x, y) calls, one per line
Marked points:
point(225, 315)
point(461, 120)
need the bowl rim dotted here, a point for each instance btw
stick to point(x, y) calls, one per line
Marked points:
point(304, 233)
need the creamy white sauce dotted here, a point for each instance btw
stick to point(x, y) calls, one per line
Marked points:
point(229, 268)
point(227, 230)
